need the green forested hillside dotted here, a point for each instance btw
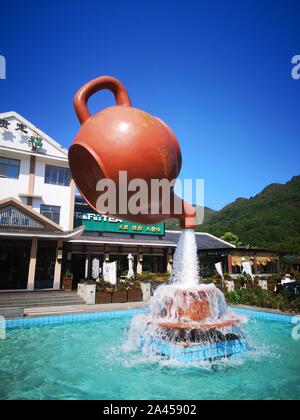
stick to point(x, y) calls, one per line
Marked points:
point(271, 219)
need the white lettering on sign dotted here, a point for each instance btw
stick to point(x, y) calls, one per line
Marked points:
point(97, 217)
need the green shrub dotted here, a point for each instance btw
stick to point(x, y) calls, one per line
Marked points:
point(152, 277)
point(255, 296)
point(103, 286)
point(146, 276)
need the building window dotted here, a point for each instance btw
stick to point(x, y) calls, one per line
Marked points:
point(9, 168)
point(56, 175)
point(51, 212)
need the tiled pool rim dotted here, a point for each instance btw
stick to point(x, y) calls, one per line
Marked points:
point(211, 351)
point(95, 316)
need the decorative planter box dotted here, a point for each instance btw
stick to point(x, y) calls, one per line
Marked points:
point(229, 285)
point(263, 284)
point(67, 284)
point(87, 292)
point(238, 284)
point(119, 296)
point(103, 297)
point(134, 295)
point(146, 290)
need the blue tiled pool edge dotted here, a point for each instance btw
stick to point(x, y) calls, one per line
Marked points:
point(267, 316)
point(70, 318)
point(93, 316)
point(211, 351)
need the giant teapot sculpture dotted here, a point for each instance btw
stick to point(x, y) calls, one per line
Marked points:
point(124, 138)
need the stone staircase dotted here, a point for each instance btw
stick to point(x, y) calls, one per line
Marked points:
point(39, 299)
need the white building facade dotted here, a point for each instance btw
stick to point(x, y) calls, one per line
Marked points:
point(36, 205)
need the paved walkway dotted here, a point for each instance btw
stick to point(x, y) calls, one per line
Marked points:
point(77, 309)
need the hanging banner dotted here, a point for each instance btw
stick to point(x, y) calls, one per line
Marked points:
point(247, 269)
point(95, 268)
point(219, 269)
point(130, 273)
point(110, 272)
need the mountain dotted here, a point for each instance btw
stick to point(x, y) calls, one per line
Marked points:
point(271, 219)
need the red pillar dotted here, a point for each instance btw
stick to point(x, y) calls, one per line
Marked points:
point(229, 264)
point(255, 264)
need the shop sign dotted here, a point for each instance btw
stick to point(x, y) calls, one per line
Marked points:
point(216, 254)
point(99, 223)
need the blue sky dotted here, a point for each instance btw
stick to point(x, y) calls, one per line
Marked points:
point(218, 72)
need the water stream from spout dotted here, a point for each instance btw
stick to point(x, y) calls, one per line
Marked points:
point(186, 268)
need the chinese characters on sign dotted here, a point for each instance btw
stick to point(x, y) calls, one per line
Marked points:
point(35, 142)
point(140, 228)
point(21, 127)
point(4, 123)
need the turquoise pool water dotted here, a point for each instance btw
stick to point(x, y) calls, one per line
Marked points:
point(94, 360)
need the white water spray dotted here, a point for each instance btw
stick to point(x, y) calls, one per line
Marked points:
point(186, 267)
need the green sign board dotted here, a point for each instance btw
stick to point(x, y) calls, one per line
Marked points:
point(99, 223)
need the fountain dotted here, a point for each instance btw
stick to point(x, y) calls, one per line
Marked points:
point(187, 321)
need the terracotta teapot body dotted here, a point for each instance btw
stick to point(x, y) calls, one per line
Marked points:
point(193, 306)
point(118, 139)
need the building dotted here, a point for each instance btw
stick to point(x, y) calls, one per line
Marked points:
point(294, 264)
point(36, 206)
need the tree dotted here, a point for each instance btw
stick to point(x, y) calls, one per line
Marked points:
point(231, 238)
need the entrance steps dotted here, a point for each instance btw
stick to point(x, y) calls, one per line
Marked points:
point(51, 311)
point(39, 299)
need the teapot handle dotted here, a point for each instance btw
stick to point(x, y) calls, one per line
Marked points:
point(105, 82)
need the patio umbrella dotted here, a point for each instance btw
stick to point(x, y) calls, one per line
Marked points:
point(220, 271)
point(130, 273)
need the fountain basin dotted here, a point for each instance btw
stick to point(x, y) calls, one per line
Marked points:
point(197, 352)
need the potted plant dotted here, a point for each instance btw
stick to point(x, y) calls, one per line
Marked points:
point(134, 292)
point(68, 281)
point(119, 294)
point(103, 292)
point(161, 278)
point(146, 276)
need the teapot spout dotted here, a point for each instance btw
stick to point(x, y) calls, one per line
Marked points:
point(187, 215)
